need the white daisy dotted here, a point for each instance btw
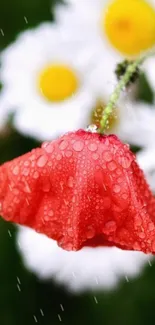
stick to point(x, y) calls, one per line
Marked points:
point(136, 123)
point(114, 23)
point(88, 269)
point(45, 79)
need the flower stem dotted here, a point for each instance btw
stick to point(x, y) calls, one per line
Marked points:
point(117, 91)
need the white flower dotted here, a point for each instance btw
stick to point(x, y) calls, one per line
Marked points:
point(146, 160)
point(88, 269)
point(114, 24)
point(45, 78)
point(136, 125)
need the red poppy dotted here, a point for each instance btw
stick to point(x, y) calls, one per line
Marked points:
point(83, 189)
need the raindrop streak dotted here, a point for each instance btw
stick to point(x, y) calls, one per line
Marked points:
point(9, 232)
point(41, 312)
point(18, 280)
point(2, 32)
point(59, 318)
point(61, 306)
point(96, 300)
point(35, 318)
point(19, 289)
point(26, 20)
point(127, 279)
point(149, 262)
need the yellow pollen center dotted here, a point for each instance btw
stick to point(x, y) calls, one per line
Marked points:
point(57, 82)
point(97, 115)
point(129, 25)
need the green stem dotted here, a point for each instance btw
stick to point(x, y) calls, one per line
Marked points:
point(120, 86)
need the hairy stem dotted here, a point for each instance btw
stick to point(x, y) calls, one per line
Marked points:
point(117, 91)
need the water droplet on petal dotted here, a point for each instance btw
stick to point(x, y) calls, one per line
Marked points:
point(142, 235)
point(36, 175)
point(110, 226)
point(51, 213)
point(59, 157)
point(125, 162)
point(107, 156)
point(70, 232)
point(78, 145)
point(42, 160)
point(136, 246)
point(92, 146)
point(63, 145)
point(90, 233)
point(26, 163)
point(111, 165)
point(116, 188)
point(68, 153)
point(95, 156)
point(70, 181)
point(25, 172)
point(48, 148)
point(16, 170)
point(151, 226)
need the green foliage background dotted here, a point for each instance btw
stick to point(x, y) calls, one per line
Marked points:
point(131, 304)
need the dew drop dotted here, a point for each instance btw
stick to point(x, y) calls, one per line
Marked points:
point(125, 162)
point(49, 148)
point(63, 145)
point(36, 175)
point(78, 145)
point(70, 232)
point(26, 163)
point(70, 181)
point(124, 196)
point(116, 189)
point(95, 156)
point(68, 153)
point(68, 246)
point(15, 191)
point(50, 213)
point(42, 160)
point(110, 226)
point(59, 156)
point(151, 226)
point(25, 172)
point(142, 235)
point(120, 180)
point(90, 233)
point(111, 165)
point(16, 170)
point(92, 146)
point(107, 156)
point(136, 246)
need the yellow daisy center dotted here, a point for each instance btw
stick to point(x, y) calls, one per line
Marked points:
point(57, 82)
point(129, 25)
point(98, 112)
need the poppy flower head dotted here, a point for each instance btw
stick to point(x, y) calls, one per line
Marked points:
point(83, 189)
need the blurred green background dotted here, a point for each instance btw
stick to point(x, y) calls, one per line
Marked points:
point(23, 298)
